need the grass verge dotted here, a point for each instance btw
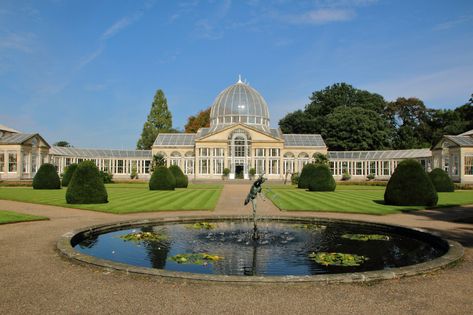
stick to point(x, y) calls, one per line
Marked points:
point(13, 217)
point(124, 199)
point(353, 199)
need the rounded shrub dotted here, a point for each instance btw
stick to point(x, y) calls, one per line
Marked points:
point(322, 179)
point(162, 179)
point(441, 180)
point(307, 173)
point(86, 186)
point(69, 171)
point(410, 186)
point(47, 178)
point(181, 179)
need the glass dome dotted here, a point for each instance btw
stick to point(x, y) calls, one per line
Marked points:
point(239, 103)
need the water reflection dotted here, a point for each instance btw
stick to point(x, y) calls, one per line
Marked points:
point(282, 249)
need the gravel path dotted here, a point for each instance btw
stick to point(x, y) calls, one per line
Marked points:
point(34, 279)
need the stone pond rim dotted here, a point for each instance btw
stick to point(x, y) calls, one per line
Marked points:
point(453, 255)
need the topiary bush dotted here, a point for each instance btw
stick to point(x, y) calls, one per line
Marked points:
point(441, 180)
point(68, 172)
point(86, 185)
point(47, 178)
point(306, 174)
point(106, 177)
point(181, 179)
point(162, 179)
point(322, 179)
point(410, 186)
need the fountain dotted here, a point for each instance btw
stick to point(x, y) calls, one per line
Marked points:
point(269, 249)
point(255, 190)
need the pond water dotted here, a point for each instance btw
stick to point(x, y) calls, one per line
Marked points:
point(283, 248)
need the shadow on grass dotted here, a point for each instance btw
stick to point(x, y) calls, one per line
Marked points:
point(404, 209)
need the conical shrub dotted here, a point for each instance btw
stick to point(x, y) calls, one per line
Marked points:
point(68, 172)
point(442, 182)
point(86, 185)
point(181, 179)
point(322, 179)
point(410, 186)
point(308, 172)
point(47, 178)
point(162, 179)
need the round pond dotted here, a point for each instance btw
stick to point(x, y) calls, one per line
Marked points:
point(290, 247)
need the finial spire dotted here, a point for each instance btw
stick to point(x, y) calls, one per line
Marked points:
point(239, 79)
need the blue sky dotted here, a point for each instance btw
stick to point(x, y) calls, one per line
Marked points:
point(86, 71)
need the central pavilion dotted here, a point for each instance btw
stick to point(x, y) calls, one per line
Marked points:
point(239, 138)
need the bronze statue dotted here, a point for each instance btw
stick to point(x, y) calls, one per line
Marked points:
point(256, 189)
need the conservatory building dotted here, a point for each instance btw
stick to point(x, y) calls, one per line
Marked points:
point(239, 139)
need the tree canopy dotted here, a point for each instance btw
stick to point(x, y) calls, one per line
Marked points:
point(159, 120)
point(62, 143)
point(201, 120)
point(354, 119)
point(356, 129)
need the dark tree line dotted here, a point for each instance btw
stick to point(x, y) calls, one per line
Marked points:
point(354, 119)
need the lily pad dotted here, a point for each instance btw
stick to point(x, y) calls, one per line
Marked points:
point(195, 259)
point(338, 259)
point(314, 227)
point(143, 236)
point(203, 226)
point(366, 237)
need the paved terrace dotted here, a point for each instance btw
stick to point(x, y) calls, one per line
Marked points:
point(35, 279)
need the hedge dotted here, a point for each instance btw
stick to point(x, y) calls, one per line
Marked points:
point(307, 173)
point(181, 179)
point(322, 179)
point(442, 182)
point(86, 185)
point(410, 185)
point(66, 178)
point(47, 178)
point(162, 179)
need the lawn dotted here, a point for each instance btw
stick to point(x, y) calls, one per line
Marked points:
point(126, 198)
point(11, 217)
point(354, 199)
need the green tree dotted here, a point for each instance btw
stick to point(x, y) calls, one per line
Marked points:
point(62, 143)
point(159, 120)
point(158, 161)
point(320, 158)
point(445, 122)
point(410, 118)
point(356, 129)
point(315, 117)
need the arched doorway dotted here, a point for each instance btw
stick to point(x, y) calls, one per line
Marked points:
point(239, 147)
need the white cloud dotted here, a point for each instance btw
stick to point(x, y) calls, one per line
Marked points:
point(452, 23)
point(319, 16)
point(121, 24)
point(90, 57)
point(23, 42)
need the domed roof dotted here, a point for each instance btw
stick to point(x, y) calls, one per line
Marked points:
point(239, 103)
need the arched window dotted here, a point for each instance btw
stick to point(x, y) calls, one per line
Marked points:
point(303, 159)
point(175, 158)
point(288, 167)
